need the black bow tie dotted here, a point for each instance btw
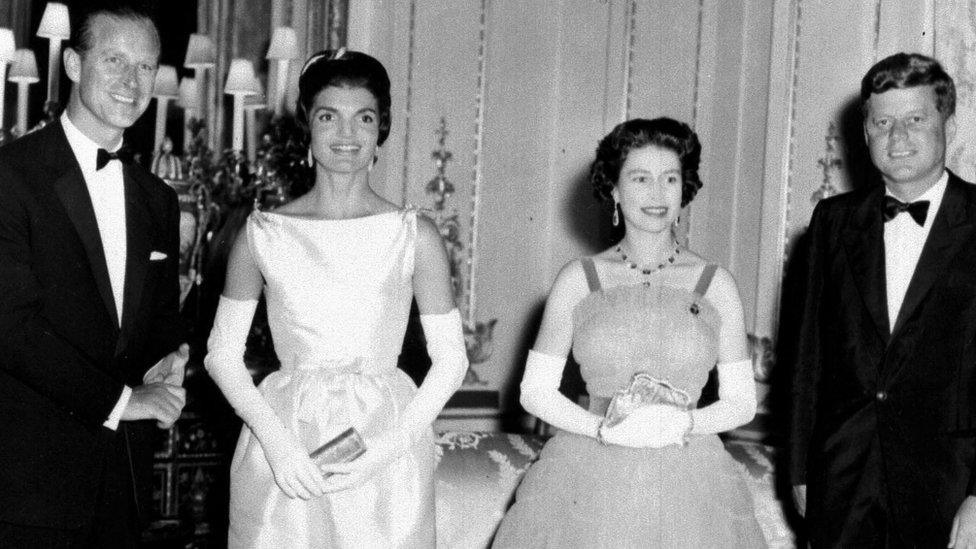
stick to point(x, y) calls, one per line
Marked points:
point(123, 155)
point(918, 210)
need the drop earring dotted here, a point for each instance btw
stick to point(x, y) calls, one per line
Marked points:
point(311, 159)
point(616, 213)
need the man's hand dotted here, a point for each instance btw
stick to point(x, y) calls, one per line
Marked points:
point(171, 368)
point(800, 499)
point(963, 535)
point(160, 401)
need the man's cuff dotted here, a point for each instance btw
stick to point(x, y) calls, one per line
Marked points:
point(116, 416)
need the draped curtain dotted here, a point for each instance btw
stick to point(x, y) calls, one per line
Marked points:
point(15, 15)
point(946, 30)
point(955, 46)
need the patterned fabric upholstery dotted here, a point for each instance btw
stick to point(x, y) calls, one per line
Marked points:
point(477, 474)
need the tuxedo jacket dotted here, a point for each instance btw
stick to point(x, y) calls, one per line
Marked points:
point(879, 408)
point(63, 356)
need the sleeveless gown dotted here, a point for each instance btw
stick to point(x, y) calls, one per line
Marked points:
point(581, 493)
point(338, 294)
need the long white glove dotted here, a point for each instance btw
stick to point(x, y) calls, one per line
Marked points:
point(449, 363)
point(294, 472)
point(541, 396)
point(736, 404)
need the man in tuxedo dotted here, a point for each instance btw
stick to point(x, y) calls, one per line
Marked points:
point(88, 302)
point(883, 422)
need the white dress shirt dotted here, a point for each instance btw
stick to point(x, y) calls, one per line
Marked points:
point(903, 241)
point(106, 188)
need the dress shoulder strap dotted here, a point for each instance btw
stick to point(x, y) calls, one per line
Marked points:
point(592, 279)
point(701, 288)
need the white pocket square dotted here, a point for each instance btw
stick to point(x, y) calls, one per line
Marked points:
point(157, 256)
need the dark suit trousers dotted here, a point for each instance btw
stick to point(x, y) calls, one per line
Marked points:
point(868, 526)
point(114, 525)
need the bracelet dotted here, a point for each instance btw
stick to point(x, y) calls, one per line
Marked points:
point(599, 432)
point(691, 425)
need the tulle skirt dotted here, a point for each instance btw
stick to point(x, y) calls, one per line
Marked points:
point(583, 494)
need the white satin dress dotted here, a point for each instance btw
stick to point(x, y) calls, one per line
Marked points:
point(338, 295)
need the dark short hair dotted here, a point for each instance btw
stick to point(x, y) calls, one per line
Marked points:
point(84, 14)
point(351, 69)
point(665, 133)
point(910, 70)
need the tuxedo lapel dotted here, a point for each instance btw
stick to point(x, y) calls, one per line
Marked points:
point(138, 228)
point(73, 194)
point(951, 228)
point(864, 243)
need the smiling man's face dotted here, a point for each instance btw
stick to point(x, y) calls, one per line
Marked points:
point(113, 78)
point(906, 135)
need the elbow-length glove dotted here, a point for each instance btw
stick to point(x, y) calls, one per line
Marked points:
point(294, 472)
point(541, 396)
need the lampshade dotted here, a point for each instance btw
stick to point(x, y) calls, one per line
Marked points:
point(189, 98)
point(200, 52)
point(6, 46)
point(241, 79)
point(166, 84)
point(258, 100)
point(55, 22)
point(23, 68)
point(284, 44)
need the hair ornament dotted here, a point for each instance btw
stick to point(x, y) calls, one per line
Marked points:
point(328, 55)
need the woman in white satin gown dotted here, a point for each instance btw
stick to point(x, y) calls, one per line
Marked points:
point(339, 267)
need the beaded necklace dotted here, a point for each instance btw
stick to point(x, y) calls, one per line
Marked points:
point(645, 269)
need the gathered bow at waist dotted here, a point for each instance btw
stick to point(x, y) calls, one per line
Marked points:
point(364, 365)
point(317, 399)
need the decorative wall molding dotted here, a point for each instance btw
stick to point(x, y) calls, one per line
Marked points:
point(788, 234)
point(877, 27)
point(830, 163)
point(698, 63)
point(411, 28)
point(444, 81)
point(629, 57)
point(477, 172)
point(779, 160)
point(477, 335)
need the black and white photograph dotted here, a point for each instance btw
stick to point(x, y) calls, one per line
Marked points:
point(471, 274)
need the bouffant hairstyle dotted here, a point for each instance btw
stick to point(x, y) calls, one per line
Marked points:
point(909, 70)
point(344, 69)
point(665, 133)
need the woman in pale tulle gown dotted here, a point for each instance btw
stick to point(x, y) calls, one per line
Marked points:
point(338, 267)
point(661, 477)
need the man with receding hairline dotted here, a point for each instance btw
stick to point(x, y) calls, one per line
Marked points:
point(90, 355)
point(884, 408)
